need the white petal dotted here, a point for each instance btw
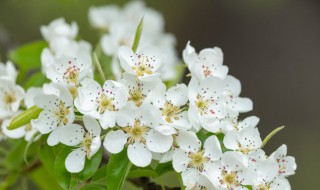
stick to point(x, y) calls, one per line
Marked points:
point(178, 95)
point(75, 161)
point(158, 142)
point(127, 59)
point(231, 140)
point(115, 141)
point(95, 146)
point(45, 122)
point(108, 119)
point(71, 135)
point(188, 140)
point(92, 125)
point(212, 148)
point(53, 138)
point(30, 94)
point(247, 177)
point(139, 154)
point(234, 161)
point(180, 160)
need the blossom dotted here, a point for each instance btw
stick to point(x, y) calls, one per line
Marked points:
point(231, 172)
point(8, 71)
point(171, 103)
point(144, 64)
point(101, 103)
point(57, 112)
point(58, 28)
point(286, 164)
point(139, 91)
point(233, 124)
point(10, 98)
point(191, 158)
point(85, 140)
point(102, 17)
point(209, 62)
point(205, 107)
point(137, 134)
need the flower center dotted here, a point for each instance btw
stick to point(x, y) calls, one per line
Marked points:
point(71, 74)
point(206, 71)
point(136, 132)
point(197, 160)
point(62, 113)
point(105, 103)
point(86, 144)
point(9, 97)
point(170, 112)
point(264, 187)
point(136, 96)
point(230, 179)
point(143, 66)
point(202, 105)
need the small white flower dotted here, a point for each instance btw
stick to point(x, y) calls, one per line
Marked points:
point(86, 140)
point(144, 64)
point(197, 181)
point(233, 124)
point(234, 103)
point(137, 134)
point(245, 141)
point(139, 91)
point(58, 28)
point(57, 111)
point(70, 71)
point(190, 157)
point(171, 103)
point(8, 71)
point(102, 17)
point(232, 172)
point(286, 164)
point(205, 107)
point(101, 103)
point(209, 62)
point(10, 98)
point(278, 183)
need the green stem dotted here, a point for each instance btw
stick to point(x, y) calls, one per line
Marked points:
point(180, 181)
point(98, 66)
point(78, 118)
point(265, 141)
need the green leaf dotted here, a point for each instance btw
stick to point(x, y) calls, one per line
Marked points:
point(163, 168)
point(9, 180)
point(93, 187)
point(44, 181)
point(91, 166)
point(25, 117)
point(117, 170)
point(47, 157)
point(143, 172)
point(65, 179)
point(202, 137)
point(36, 80)
point(101, 174)
point(28, 55)
point(137, 36)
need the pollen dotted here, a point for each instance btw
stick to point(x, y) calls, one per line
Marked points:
point(136, 132)
point(202, 105)
point(229, 179)
point(136, 96)
point(86, 144)
point(197, 160)
point(143, 67)
point(170, 112)
point(105, 103)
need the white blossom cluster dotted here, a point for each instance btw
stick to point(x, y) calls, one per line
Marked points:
point(138, 113)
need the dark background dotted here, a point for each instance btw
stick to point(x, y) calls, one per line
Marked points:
point(272, 46)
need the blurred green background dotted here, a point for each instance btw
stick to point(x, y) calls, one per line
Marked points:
point(272, 46)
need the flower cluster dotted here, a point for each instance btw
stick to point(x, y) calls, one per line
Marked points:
point(194, 126)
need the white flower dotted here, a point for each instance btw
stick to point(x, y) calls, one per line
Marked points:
point(86, 140)
point(286, 164)
point(207, 64)
point(245, 141)
point(234, 103)
point(58, 28)
point(171, 103)
point(190, 157)
point(8, 71)
point(137, 134)
point(102, 17)
point(232, 172)
point(197, 181)
point(57, 112)
point(10, 98)
point(139, 91)
point(101, 103)
point(70, 71)
point(278, 183)
point(233, 124)
point(144, 64)
point(205, 107)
